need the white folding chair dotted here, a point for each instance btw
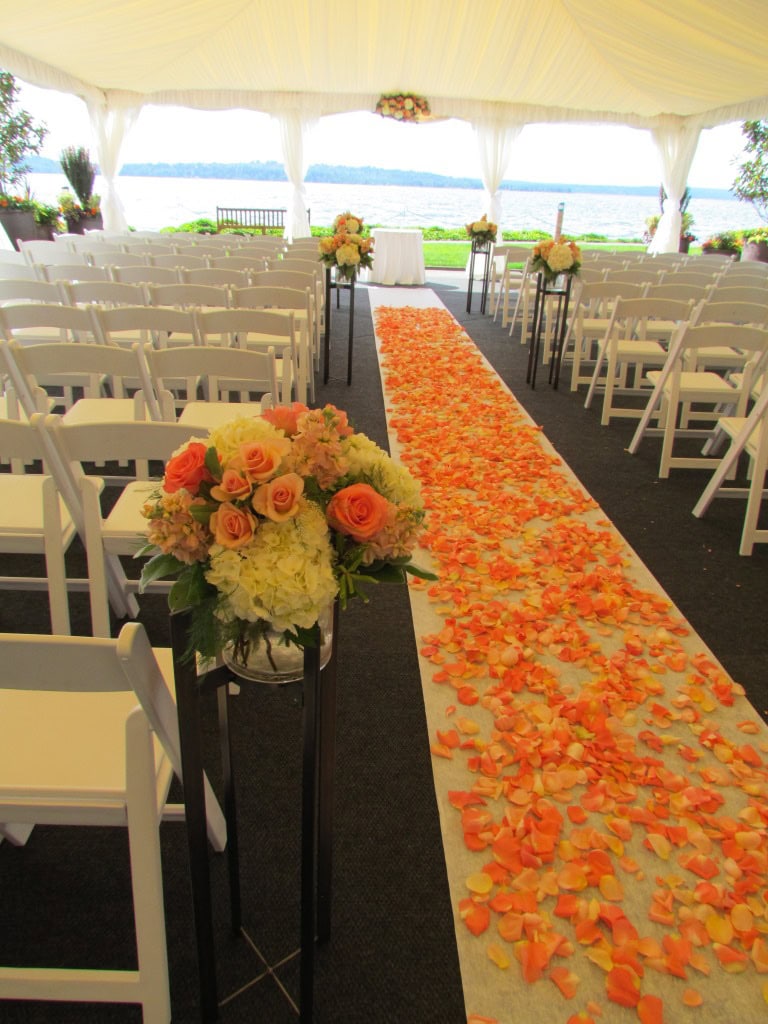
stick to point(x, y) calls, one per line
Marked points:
point(120, 532)
point(302, 303)
point(675, 387)
point(145, 275)
point(588, 320)
point(218, 371)
point(159, 324)
point(748, 435)
point(261, 329)
point(59, 273)
point(217, 276)
point(507, 272)
point(90, 737)
point(637, 337)
point(33, 519)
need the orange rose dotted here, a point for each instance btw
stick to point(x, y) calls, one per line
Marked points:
point(232, 527)
point(278, 500)
point(187, 469)
point(285, 417)
point(260, 460)
point(358, 511)
point(233, 485)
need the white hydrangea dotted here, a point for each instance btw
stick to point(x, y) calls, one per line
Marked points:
point(370, 463)
point(560, 257)
point(227, 438)
point(285, 575)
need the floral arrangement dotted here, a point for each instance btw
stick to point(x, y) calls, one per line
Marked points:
point(403, 107)
point(346, 249)
point(726, 241)
point(72, 210)
point(269, 518)
point(556, 256)
point(482, 230)
point(16, 203)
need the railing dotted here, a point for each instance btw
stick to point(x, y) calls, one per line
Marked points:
point(250, 217)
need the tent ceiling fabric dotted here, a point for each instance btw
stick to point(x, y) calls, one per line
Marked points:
point(626, 61)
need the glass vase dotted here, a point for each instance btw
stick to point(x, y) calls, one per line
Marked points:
point(269, 659)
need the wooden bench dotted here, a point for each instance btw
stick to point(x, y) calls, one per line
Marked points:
point(250, 217)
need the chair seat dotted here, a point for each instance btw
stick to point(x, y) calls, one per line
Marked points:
point(701, 384)
point(21, 529)
point(124, 529)
point(101, 410)
point(208, 415)
point(642, 350)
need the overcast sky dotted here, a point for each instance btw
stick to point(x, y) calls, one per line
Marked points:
point(574, 154)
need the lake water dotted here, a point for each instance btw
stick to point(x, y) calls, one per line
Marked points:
point(153, 203)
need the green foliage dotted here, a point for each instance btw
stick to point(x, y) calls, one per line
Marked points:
point(724, 241)
point(45, 214)
point(751, 184)
point(79, 172)
point(756, 235)
point(19, 135)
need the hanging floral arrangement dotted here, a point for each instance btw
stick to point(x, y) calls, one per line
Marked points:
point(403, 107)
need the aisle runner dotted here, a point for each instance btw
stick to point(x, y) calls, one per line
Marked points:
point(602, 784)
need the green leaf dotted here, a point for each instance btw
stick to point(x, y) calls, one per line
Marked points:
point(158, 568)
point(190, 589)
point(212, 463)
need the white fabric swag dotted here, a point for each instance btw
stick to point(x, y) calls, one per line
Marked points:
point(676, 144)
point(494, 143)
point(111, 125)
point(295, 131)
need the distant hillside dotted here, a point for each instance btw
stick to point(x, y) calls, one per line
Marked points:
point(326, 174)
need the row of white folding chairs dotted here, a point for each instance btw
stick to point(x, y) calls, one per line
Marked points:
point(275, 290)
point(34, 324)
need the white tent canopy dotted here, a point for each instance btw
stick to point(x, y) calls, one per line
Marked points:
point(500, 64)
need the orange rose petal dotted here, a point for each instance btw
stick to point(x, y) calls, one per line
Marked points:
point(692, 998)
point(650, 1010)
point(497, 955)
point(565, 980)
point(622, 986)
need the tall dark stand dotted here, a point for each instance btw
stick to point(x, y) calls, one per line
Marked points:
point(329, 285)
point(548, 288)
point(318, 763)
point(483, 250)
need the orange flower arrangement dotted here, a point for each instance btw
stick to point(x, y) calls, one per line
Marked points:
point(403, 107)
point(347, 248)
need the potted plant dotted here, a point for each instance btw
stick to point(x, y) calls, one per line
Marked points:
point(19, 137)
point(724, 242)
point(756, 245)
point(81, 174)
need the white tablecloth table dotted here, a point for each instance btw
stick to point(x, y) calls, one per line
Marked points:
point(398, 257)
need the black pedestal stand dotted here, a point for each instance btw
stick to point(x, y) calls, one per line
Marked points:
point(547, 288)
point(329, 284)
point(482, 249)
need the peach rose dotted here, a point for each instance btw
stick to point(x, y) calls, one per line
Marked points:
point(285, 417)
point(233, 485)
point(186, 469)
point(358, 511)
point(278, 500)
point(232, 527)
point(259, 460)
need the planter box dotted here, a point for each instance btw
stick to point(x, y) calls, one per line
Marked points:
point(21, 225)
point(79, 225)
point(755, 251)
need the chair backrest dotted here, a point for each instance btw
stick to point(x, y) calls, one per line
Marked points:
point(145, 275)
point(75, 272)
point(30, 364)
point(288, 262)
point(103, 293)
point(73, 322)
point(243, 322)
point(264, 297)
point(221, 369)
point(179, 259)
point(679, 291)
point(285, 278)
point(160, 321)
point(644, 274)
point(745, 337)
point(725, 291)
point(186, 296)
point(39, 250)
point(117, 258)
point(722, 311)
point(14, 290)
point(20, 271)
point(251, 261)
point(632, 317)
point(218, 276)
point(688, 276)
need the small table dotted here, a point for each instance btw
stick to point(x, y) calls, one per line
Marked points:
point(398, 257)
point(558, 290)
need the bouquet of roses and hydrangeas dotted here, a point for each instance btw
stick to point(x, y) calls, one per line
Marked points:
point(264, 522)
point(347, 248)
point(482, 230)
point(556, 256)
point(403, 107)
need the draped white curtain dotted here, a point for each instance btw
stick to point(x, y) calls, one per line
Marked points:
point(495, 140)
point(676, 143)
point(111, 120)
point(295, 130)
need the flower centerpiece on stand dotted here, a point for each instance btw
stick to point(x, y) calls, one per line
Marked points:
point(555, 256)
point(482, 231)
point(269, 519)
point(403, 106)
point(348, 247)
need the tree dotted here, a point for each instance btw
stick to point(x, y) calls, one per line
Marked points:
point(19, 135)
point(751, 185)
